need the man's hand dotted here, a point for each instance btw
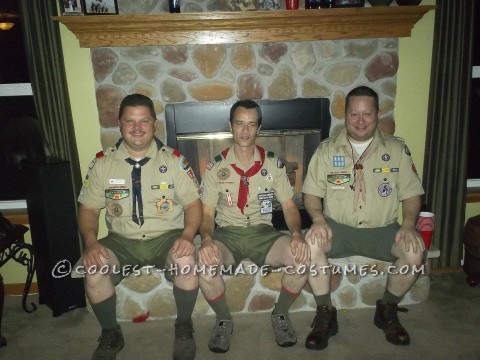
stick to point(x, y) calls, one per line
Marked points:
point(410, 237)
point(300, 249)
point(319, 233)
point(93, 255)
point(183, 247)
point(208, 253)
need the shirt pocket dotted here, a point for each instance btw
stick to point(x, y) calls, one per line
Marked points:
point(118, 201)
point(228, 194)
point(385, 184)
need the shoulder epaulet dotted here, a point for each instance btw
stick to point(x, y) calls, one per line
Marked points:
point(169, 150)
point(100, 154)
point(270, 154)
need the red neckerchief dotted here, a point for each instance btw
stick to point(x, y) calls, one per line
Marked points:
point(243, 186)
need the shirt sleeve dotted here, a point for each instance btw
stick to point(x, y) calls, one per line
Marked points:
point(209, 187)
point(93, 191)
point(314, 183)
point(409, 184)
point(283, 189)
point(186, 183)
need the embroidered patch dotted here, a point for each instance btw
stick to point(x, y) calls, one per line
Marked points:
point(116, 181)
point(163, 169)
point(223, 174)
point(117, 194)
point(115, 208)
point(228, 199)
point(386, 170)
point(394, 169)
point(266, 207)
point(184, 164)
point(339, 161)
point(377, 170)
point(264, 172)
point(266, 196)
point(92, 163)
point(407, 150)
point(209, 165)
point(269, 177)
point(338, 179)
point(164, 206)
point(385, 157)
point(384, 189)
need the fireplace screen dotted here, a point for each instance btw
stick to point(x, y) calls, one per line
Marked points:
point(292, 129)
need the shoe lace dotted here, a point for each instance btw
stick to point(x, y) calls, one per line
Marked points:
point(281, 322)
point(183, 331)
point(221, 330)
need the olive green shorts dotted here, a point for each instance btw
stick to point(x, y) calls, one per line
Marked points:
point(253, 242)
point(374, 243)
point(134, 254)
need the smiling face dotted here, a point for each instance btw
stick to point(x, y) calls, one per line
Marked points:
point(138, 129)
point(361, 118)
point(244, 127)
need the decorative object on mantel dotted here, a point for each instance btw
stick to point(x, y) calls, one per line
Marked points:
point(380, 2)
point(291, 4)
point(240, 5)
point(268, 5)
point(349, 3)
point(408, 2)
point(174, 6)
point(99, 7)
point(71, 7)
point(327, 4)
point(312, 4)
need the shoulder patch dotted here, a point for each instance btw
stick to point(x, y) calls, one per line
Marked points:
point(210, 165)
point(176, 153)
point(270, 154)
point(100, 154)
point(280, 163)
point(218, 158)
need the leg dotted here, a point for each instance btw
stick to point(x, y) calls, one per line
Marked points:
point(213, 289)
point(397, 285)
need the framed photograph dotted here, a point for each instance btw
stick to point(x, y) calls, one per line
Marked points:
point(100, 7)
point(350, 3)
point(71, 7)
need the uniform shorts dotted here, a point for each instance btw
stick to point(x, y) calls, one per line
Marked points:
point(139, 253)
point(375, 243)
point(253, 242)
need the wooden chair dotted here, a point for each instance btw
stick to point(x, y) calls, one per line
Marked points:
point(13, 246)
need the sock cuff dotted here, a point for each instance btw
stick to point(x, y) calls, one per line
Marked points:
point(219, 297)
point(289, 292)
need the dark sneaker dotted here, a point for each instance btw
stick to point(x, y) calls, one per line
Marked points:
point(111, 342)
point(323, 326)
point(220, 339)
point(184, 347)
point(283, 329)
point(386, 319)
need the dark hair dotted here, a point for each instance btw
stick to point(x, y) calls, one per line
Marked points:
point(362, 91)
point(137, 100)
point(247, 104)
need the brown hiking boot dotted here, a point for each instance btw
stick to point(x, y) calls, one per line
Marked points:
point(323, 326)
point(386, 319)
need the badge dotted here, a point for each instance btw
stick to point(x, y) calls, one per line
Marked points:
point(184, 164)
point(266, 196)
point(338, 187)
point(377, 170)
point(163, 169)
point(223, 174)
point(264, 172)
point(269, 177)
point(414, 169)
point(386, 170)
point(163, 185)
point(338, 179)
point(115, 208)
point(164, 206)
point(407, 150)
point(228, 196)
point(117, 194)
point(394, 169)
point(385, 157)
point(384, 189)
point(266, 207)
point(116, 181)
point(339, 161)
point(209, 166)
point(155, 187)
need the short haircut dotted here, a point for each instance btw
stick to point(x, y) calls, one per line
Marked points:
point(362, 91)
point(247, 104)
point(137, 100)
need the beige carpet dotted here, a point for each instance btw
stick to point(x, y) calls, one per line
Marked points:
point(447, 326)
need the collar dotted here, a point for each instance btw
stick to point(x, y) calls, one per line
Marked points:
point(342, 140)
point(231, 158)
point(122, 152)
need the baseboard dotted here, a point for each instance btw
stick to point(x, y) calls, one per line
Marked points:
point(17, 289)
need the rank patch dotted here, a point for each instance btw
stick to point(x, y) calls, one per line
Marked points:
point(264, 172)
point(223, 174)
point(384, 189)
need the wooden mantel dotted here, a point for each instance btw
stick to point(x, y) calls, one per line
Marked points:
point(244, 27)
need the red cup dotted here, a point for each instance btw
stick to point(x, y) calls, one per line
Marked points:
point(426, 224)
point(427, 237)
point(291, 4)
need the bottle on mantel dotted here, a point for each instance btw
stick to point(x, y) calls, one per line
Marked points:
point(312, 4)
point(325, 4)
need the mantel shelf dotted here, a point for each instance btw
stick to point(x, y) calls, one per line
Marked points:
point(244, 27)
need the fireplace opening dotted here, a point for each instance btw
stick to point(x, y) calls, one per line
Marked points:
point(292, 129)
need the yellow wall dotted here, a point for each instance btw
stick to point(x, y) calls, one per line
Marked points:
point(411, 104)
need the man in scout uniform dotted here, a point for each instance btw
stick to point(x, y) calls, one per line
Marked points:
point(238, 192)
point(361, 175)
point(153, 212)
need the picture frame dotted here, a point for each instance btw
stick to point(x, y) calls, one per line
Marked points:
point(100, 7)
point(71, 7)
point(349, 3)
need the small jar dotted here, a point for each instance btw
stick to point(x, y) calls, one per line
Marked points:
point(326, 4)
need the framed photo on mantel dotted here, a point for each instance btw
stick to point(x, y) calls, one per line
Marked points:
point(71, 7)
point(100, 7)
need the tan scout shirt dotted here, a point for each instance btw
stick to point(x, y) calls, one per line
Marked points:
point(168, 184)
point(390, 177)
point(220, 186)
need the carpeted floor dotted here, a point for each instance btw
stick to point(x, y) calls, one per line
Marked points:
point(447, 326)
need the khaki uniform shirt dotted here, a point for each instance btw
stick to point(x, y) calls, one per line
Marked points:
point(220, 186)
point(390, 177)
point(168, 184)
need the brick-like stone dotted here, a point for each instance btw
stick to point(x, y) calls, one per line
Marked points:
point(249, 86)
point(211, 91)
point(389, 43)
point(104, 61)
point(172, 91)
point(354, 278)
point(149, 70)
point(347, 297)
point(382, 66)
point(361, 49)
point(191, 7)
point(311, 88)
point(144, 89)
point(184, 74)
point(283, 85)
point(240, 5)
point(372, 290)
point(209, 59)
point(143, 283)
point(329, 49)
point(338, 105)
point(386, 106)
point(158, 106)
point(124, 74)
point(109, 98)
point(303, 57)
point(228, 74)
point(389, 88)
point(243, 57)
point(130, 309)
point(343, 73)
point(261, 302)
point(273, 52)
point(175, 54)
point(237, 290)
point(335, 279)
point(140, 52)
point(137, 6)
point(217, 5)
point(161, 304)
point(272, 281)
point(387, 125)
point(265, 69)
